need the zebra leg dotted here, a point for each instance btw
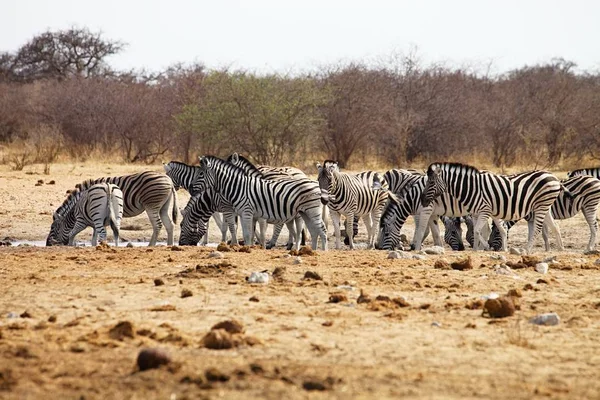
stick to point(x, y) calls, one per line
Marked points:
point(349, 226)
point(421, 226)
point(501, 230)
point(247, 222)
point(165, 218)
point(262, 232)
point(435, 231)
point(537, 221)
point(156, 225)
point(335, 219)
point(298, 224)
point(589, 212)
point(230, 221)
point(205, 238)
point(94, 237)
point(78, 227)
point(368, 220)
point(276, 232)
point(222, 226)
point(479, 242)
point(316, 227)
point(550, 223)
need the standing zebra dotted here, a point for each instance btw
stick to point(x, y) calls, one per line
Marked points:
point(276, 201)
point(595, 172)
point(184, 176)
point(196, 214)
point(99, 206)
point(501, 197)
point(399, 208)
point(351, 196)
point(147, 191)
point(271, 173)
point(585, 190)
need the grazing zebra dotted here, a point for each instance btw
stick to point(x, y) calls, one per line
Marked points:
point(595, 172)
point(98, 206)
point(399, 208)
point(501, 197)
point(351, 196)
point(196, 214)
point(184, 176)
point(585, 190)
point(278, 201)
point(271, 173)
point(147, 191)
point(453, 233)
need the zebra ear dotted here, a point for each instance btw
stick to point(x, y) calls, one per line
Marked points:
point(319, 167)
point(167, 167)
point(204, 162)
point(235, 158)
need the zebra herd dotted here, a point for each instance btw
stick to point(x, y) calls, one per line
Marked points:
point(235, 190)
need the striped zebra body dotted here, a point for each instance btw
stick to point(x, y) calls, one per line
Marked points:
point(271, 173)
point(351, 196)
point(595, 172)
point(585, 190)
point(501, 197)
point(98, 206)
point(399, 208)
point(184, 176)
point(278, 201)
point(148, 191)
point(198, 212)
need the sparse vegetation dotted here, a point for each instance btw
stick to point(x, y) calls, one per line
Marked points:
point(398, 112)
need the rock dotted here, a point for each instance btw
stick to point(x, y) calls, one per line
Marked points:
point(503, 269)
point(218, 339)
point(52, 318)
point(363, 298)
point(514, 251)
point(434, 250)
point(122, 330)
point(441, 264)
point(254, 299)
point(308, 275)
point(419, 257)
point(25, 314)
point(231, 326)
point(214, 375)
point(401, 302)
point(158, 282)
point(404, 239)
point(398, 255)
point(129, 244)
point(597, 262)
point(499, 308)
point(278, 272)
point(152, 358)
point(548, 319)
point(223, 247)
point(549, 259)
point(530, 261)
point(499, 257)
point(337, 298)
point(515, 293)
point(306, 251)
point(215, 254)
point(186, 293)
point(462, 265)
point(297, 260)
point(318, 384)
point(436, 324)
point(245, 249)
point(258, 277)
point(542, 267)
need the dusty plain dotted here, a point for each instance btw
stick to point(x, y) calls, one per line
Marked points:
point(72, 320)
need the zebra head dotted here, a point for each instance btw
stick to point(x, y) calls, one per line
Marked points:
point(436, 185)
point(59, 235)
point(391, 222)
point(453, 233)
point(182, 175)
point(205, 176)
point(193, 227)
point(326, 179)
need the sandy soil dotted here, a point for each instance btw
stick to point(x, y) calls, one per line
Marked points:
point(60, 308)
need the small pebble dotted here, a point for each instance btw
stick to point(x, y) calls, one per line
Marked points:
point(549, 319)
point(152, 358)
point(297, 260)
point(434, 250)
point(215, 254)
point(436, 324)
point(542, 268)
point(129, 244)
point(258, 277)
point(514, 251)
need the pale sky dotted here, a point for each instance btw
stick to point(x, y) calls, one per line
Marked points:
point(271, 35)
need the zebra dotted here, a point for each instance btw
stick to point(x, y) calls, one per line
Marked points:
point(98, 206)
point(184, 176)
point(148, 191)
point(453, 232)
point(595, 172)
point(270, 173)
point(351, 195)
point(502, 197)
point(586, 192)
point(400, 207)
point(196, 214)
point(278, 201)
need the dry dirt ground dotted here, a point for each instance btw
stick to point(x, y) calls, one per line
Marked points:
point(72, 320)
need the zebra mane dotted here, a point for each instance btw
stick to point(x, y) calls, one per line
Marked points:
point(89, 182)
point(214, 160)
point(68, 203)
point(246, 164)
point(179, 163)
point(452, 166)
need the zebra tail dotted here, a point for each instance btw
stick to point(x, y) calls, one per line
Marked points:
point(174, 211)
point(114, 225)
point(568, 194)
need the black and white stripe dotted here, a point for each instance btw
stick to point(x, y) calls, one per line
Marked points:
point(585, 191)
point(595, 172)
point(501, 197)
point(184, 176)
point(148, 191)
point(98, 206)
point(351, 195)
point(400, 207)
point(276, 201)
